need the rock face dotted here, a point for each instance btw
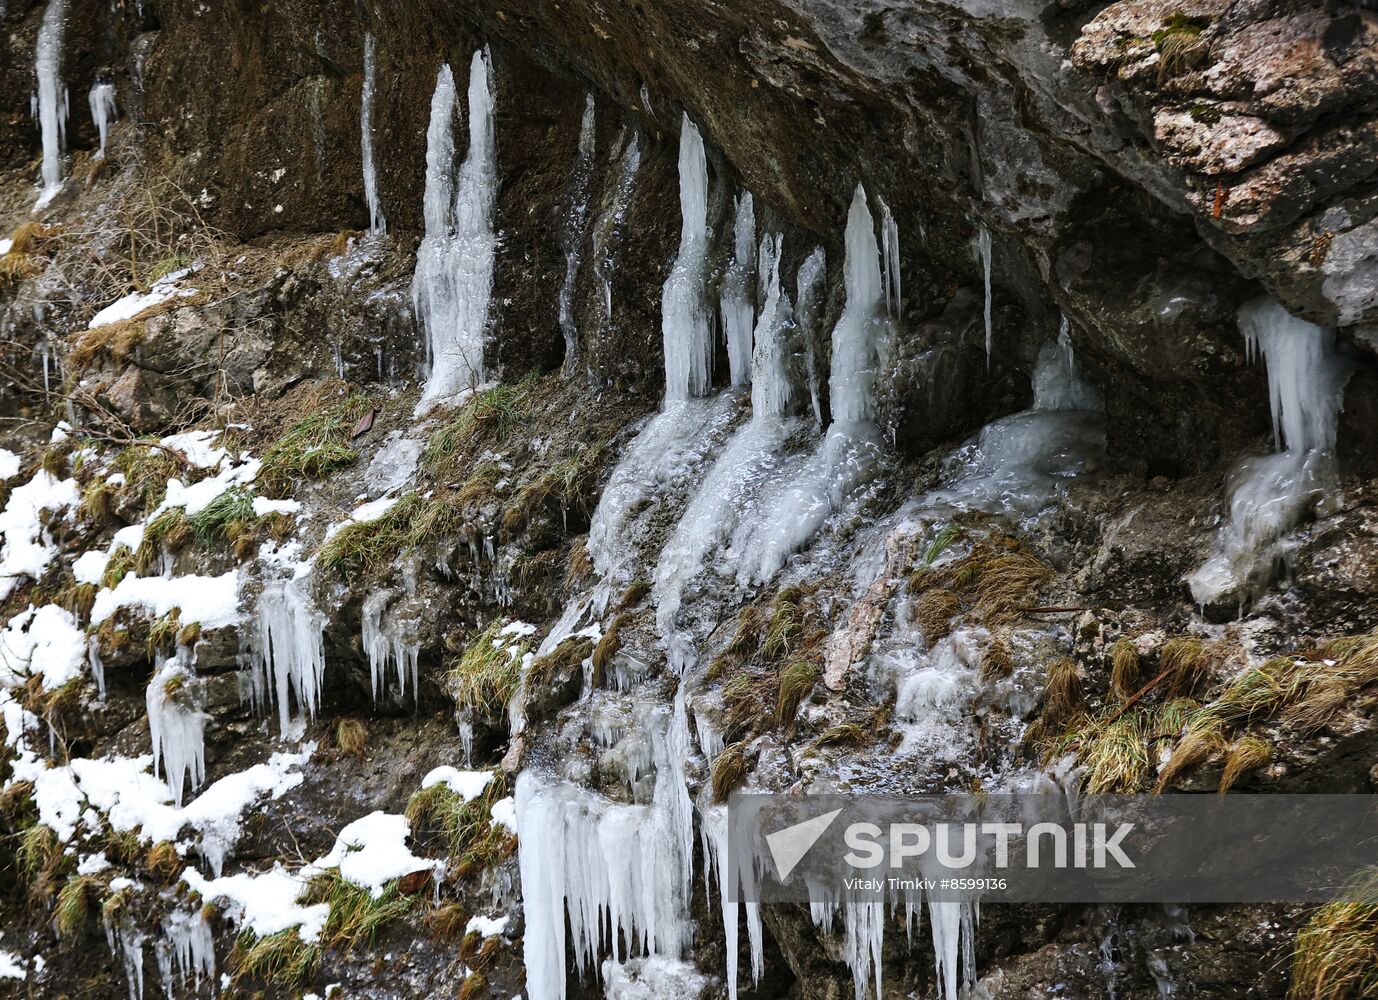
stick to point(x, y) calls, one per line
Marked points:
point(574, 595)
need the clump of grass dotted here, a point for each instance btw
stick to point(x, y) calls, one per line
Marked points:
point(447, 922)
point(223, 517)
point(1185, 662)
point(76, 597)
point(1335, 956)
point(39, 859)
point(98, 502)
point(489, 415)
point(466, 828)
point(941, 541)
point(569, 654)
point(114, 906)
point(747, 701)
point(1246, 754)
point(16, 267)
point(163, 633)
point(1260, 692)
point(474, 986)
point(934, 611)
point(485, 676)
point(122, 847)
point(147, 469)
point(1124, 668)
point(313, 447)
point(16, 800)
point(115, 341)
point(171, 529)
point(120, 565)
point(351, 737)
point(607, 648)
point(997, 660)
point(728, 772)
point(786, 622)
point(1204, 739)
point(796, 681)
point(281, 959)
point(843, 734)
point(162, 859)
point(74, 905)
point(1063, 695)
point(636, 592)
point(566, 483)
point(1327, 696)
point(356, 915)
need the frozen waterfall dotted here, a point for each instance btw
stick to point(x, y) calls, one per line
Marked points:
point(103, 110)
point(454, 264)
point(572, 235)
point(52, 98)
point(386, 643)
point(738, 312)
point(1270, 495)
point(847, 456)
point(983, 246)
point(685, 318)
point(377, 223)
point(288, 646)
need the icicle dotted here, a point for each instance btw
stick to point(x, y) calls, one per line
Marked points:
point(809, 293)
point(187, 942)
point(384, 644)
point(890, 248)
point(454, 266)
point(289, 648)
point(733, 877)
point(177, 725)
point(377, 223)
point(983, 242)
point(684, 308)
point(856, 338)
point(52, 115)
point(770, 387)
point(1271, 495)
point(572, 237)
point(605, 867)
point(738, 314)
point(103, 109)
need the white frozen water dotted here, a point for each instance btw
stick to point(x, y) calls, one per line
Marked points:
point(386, 642)
point(103, 110)
point(736, 301)
point(377, 223)
point(45, 642)
point(809, 295)
point(685, 320)
point(371, 852)
point(453, 282)
point(177, 726)
point(210, 601)
point(572, 233)
point(606, 867)
point(187, 948)
point(129, 306)
point(1270, 495)
point(735, 881)
point(288, 646)
point(890, 255)
point(608, 229)
point(52, 98)
point(28, 547)
point(728, 493)
point(394, 465)
point(849, 452)
point(1017, 463)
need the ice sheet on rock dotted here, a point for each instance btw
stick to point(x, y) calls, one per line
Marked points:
point(265, 904)
point(288, 646)
point(453, 282)
point(196, 497)
point(176, 723)
point(736, 301)
point(211, 601)
point(1270, 496)
point(809, 305)
point(52, 98)
point(933, 687)
point(983, 248)
point(42, 642)
point(263, 506)
point(1017, 463)
point(653, 978)
point(394, 465)
point(662, 461)
point(468, 785)
point(572, 232)
point(607, 231)
point(891, 278)
point(686, 324)
point(28, 549)
point(372, 851)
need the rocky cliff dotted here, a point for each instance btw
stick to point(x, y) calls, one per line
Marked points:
point(449, 447)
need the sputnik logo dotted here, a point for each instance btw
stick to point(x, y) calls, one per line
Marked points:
point(788, 846)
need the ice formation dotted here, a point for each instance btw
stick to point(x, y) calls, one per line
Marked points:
point(52, 98)
point(289, 649)
point(177, 726)
point(129, 306)
point(377, 223)
point(983, 245)
point(735, 881)
point(685, 321)
point(809, 293)
point(847, 456)
point(572, 235)
point(1018, 462)
point(454, 264)
point(726, 496)
point(394, 465)
point(187, 949)
point(737, 305)
point(386, 643)
point(103, 110)
point(890, 256)
point(608, 229)
point(617, 872)
point(1270, 495)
